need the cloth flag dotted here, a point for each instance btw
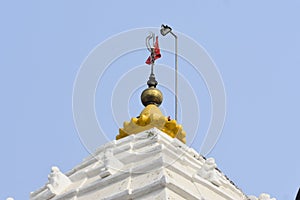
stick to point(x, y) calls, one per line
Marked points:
point(155, 54)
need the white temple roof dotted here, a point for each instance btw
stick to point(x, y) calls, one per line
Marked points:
point(148, 165)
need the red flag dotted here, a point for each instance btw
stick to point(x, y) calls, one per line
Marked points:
point(156, 49)
point(155, 54)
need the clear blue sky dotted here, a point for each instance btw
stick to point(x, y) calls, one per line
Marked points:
point(255, 44)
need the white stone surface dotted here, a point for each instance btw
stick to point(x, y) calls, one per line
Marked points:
point(148, 165)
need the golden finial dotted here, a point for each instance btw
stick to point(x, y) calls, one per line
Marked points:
point(151, 98)
point(151, 95)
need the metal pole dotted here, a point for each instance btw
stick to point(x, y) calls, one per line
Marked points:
point(176, 74)
point(152, 66)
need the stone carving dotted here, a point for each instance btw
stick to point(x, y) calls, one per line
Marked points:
point(208, 171)
point(58, 182)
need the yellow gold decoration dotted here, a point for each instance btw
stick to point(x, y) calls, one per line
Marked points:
point(151, 95)
point(151, 117)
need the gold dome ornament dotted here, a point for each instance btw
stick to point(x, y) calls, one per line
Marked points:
point(149, 118)
point(151, 95)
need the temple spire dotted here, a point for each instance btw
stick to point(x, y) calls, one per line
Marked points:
point(151, 116)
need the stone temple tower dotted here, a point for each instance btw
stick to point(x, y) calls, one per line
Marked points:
point(149, 160)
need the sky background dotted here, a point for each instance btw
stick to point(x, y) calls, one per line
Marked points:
point(255, 44)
